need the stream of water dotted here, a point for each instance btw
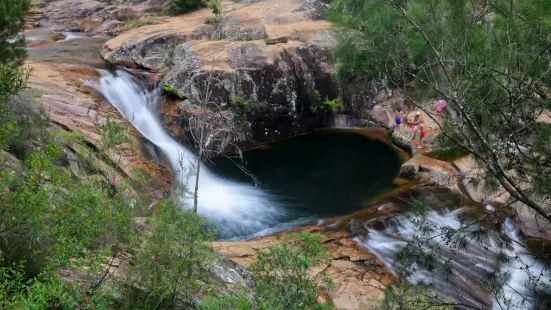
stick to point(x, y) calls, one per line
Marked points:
point(236, 209)
point(523, 275)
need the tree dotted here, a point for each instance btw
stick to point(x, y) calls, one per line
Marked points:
point(490, 61)
point(411, 298)
point(12, 19)
point(283, 278)
point(214, 129)
point(172, 264)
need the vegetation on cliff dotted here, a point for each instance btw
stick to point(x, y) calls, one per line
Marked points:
point(490, 61)
point(284, 278)
point(176, 7)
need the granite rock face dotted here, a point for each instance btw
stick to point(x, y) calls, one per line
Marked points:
point(94, 15)
point(281, 80)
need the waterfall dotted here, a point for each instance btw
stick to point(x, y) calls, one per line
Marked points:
point(470, 264)
point(237, 210)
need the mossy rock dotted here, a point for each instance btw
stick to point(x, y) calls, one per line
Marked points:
point(276, 41)
point(172, 92)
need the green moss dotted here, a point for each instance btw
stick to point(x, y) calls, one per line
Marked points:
point(276, 41)
point(172, 92)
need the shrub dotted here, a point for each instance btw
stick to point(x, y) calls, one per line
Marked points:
point(410, 297)
point(240, 107)
point(175, 7)
point(215, 6)
point(174, 262)
point(283, 277)
point(325, 105)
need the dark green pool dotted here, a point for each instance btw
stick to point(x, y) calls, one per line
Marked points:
point(321, 174)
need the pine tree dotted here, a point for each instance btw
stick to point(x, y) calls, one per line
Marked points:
point(12, 19)
point(490, 60)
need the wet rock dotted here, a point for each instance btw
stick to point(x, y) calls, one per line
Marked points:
point(408, 171)
point(108, 27)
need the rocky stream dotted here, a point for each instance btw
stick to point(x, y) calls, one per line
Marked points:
point(347, 175)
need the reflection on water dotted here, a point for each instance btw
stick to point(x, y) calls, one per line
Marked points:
point(322, 174)
point(76, 48)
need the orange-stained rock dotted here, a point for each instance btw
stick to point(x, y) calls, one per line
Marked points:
point(359, 277)
point(71, 107)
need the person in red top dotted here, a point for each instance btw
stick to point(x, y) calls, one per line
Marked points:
point(422, 133)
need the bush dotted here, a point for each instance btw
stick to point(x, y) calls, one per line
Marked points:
point(409, 297)
point(240, 107)
point(173, 264)
point(325, 105)
point(215, 6)
point(283, 278)
point(175, 7)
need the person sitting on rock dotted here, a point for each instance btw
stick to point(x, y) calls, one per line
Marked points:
point(415, 124)
point(398, 117)
point(440, 106)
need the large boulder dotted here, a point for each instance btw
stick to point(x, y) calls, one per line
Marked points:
point(282, 77)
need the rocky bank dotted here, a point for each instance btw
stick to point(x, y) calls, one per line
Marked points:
point(232, 55)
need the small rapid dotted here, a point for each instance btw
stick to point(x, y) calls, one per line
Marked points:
point(237, 210)
point(522, 275)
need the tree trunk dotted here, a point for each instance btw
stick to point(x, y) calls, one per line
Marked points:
point(198, 163)
point(196, 193)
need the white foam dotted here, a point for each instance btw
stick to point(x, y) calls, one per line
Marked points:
point(470, 264)
point(236, 209)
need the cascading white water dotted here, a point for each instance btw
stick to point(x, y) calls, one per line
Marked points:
point(237, 210)
point(470, 264)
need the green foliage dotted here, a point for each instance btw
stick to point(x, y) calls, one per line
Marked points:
point(13, 80)
point(282, 276)
point(172, 92)
point(409, 297)
point(489, 61)
point(12, 46)
point(240, 107)
point(176, 7)
point(276, 41)
point(24, 113)
point(318, 105)
point(236, 302)
point(215, 6)
point(48, 219)
point(174, 262)
point(482, 57)
point(17, 291)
